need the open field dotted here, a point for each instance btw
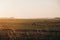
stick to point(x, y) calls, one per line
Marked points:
point(29, 29)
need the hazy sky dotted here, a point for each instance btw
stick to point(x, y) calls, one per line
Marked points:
point(30, 8)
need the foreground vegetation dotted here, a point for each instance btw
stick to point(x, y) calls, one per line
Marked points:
point(29, 29)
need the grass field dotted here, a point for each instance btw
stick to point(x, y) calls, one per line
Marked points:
point(29, 29)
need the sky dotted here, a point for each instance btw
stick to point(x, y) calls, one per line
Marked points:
point(30, 8)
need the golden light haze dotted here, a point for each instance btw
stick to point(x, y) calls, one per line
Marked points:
point(30, 8)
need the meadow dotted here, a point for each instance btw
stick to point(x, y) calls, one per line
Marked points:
point(29, 29)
